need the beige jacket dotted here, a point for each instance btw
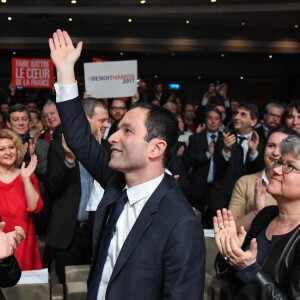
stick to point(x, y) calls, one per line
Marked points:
point(242, 198)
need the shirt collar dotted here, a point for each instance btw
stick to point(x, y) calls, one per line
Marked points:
point(246, 135)
point(209, 134)
point(143, 190)
point(264, 177)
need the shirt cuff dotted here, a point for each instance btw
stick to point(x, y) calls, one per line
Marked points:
point(253, 157)
point(226, 156)
point(247, 274)
point(204, 101)
point(68, 165)
point(65, 92)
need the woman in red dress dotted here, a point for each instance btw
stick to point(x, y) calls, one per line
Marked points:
point(19, 197)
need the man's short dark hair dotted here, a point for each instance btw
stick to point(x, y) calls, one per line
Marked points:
point(89, 105)
point(213, 108)
point(161, 123)
point(18, 107)
point(251, 108)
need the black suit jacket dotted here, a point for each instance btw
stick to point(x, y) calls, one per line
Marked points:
point(163, 256)
point(225, 176)
point(65, 191)
point(197, 158)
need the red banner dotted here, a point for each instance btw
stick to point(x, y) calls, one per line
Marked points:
point(99, 59)
point(32, 73)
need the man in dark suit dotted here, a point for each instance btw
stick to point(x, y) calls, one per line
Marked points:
point(200, 156)
point(147, 242)
point(242, 154)
point(272, 119)
point(69, 232)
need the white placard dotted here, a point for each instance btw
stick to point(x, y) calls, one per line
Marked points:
point(34, 276)
point(111, 79)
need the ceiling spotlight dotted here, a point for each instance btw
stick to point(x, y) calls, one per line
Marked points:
point(199, 77)
point(270, 56)
point(73, 1)
point(9, 18)
point(14, 53)
point(143, 1)
point(243, 23)
point(173, 54)
point(242, 77)
point(121, 53)
point(296, 26)
point(129, 20)
point(70, 19)
point(3, 1)
point(187, 21)
point(222, 55)
point(155, 76)
point(213, 1)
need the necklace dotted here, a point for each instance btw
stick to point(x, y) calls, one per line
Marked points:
point(276, 224)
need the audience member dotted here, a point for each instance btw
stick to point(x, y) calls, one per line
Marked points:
point(159, 94)
point(249, 195)
point(272, 119)
point(52, 120)
point(292, 115)
point(172, 107)
point(189, 116)
point(200, 156)
point(164, 228)
point(3, 123)
point(241, 155)
point(184, 135)
point(4, 108)
point(35, 125)
point(20, 197)
point(264, 263)
point(18, 119)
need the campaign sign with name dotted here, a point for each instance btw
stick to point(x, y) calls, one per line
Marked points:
point(111, 79)
point(32, 73)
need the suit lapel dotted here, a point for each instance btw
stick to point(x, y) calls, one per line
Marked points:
point(142, 223)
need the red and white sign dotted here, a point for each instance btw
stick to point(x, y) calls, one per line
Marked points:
point(32, 73)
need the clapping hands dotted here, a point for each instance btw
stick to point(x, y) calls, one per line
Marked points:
point(229, 241)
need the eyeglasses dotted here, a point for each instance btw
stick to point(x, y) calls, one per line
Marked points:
point(118, 108)
point(286, 167)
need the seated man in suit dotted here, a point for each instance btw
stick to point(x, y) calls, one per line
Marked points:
point(241, 155)
point(200, 156)
point(147, 242)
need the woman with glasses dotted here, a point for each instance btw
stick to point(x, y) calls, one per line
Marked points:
point(249, 195)
point(265, 262)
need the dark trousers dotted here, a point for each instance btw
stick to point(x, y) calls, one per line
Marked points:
point(79, 251)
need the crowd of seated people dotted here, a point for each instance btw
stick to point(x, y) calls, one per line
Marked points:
point(224, 158)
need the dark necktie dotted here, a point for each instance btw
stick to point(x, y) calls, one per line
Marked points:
point(213, 139)
point(239, 158)
point(104, 245)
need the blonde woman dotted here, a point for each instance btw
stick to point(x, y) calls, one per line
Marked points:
point(19, 197)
